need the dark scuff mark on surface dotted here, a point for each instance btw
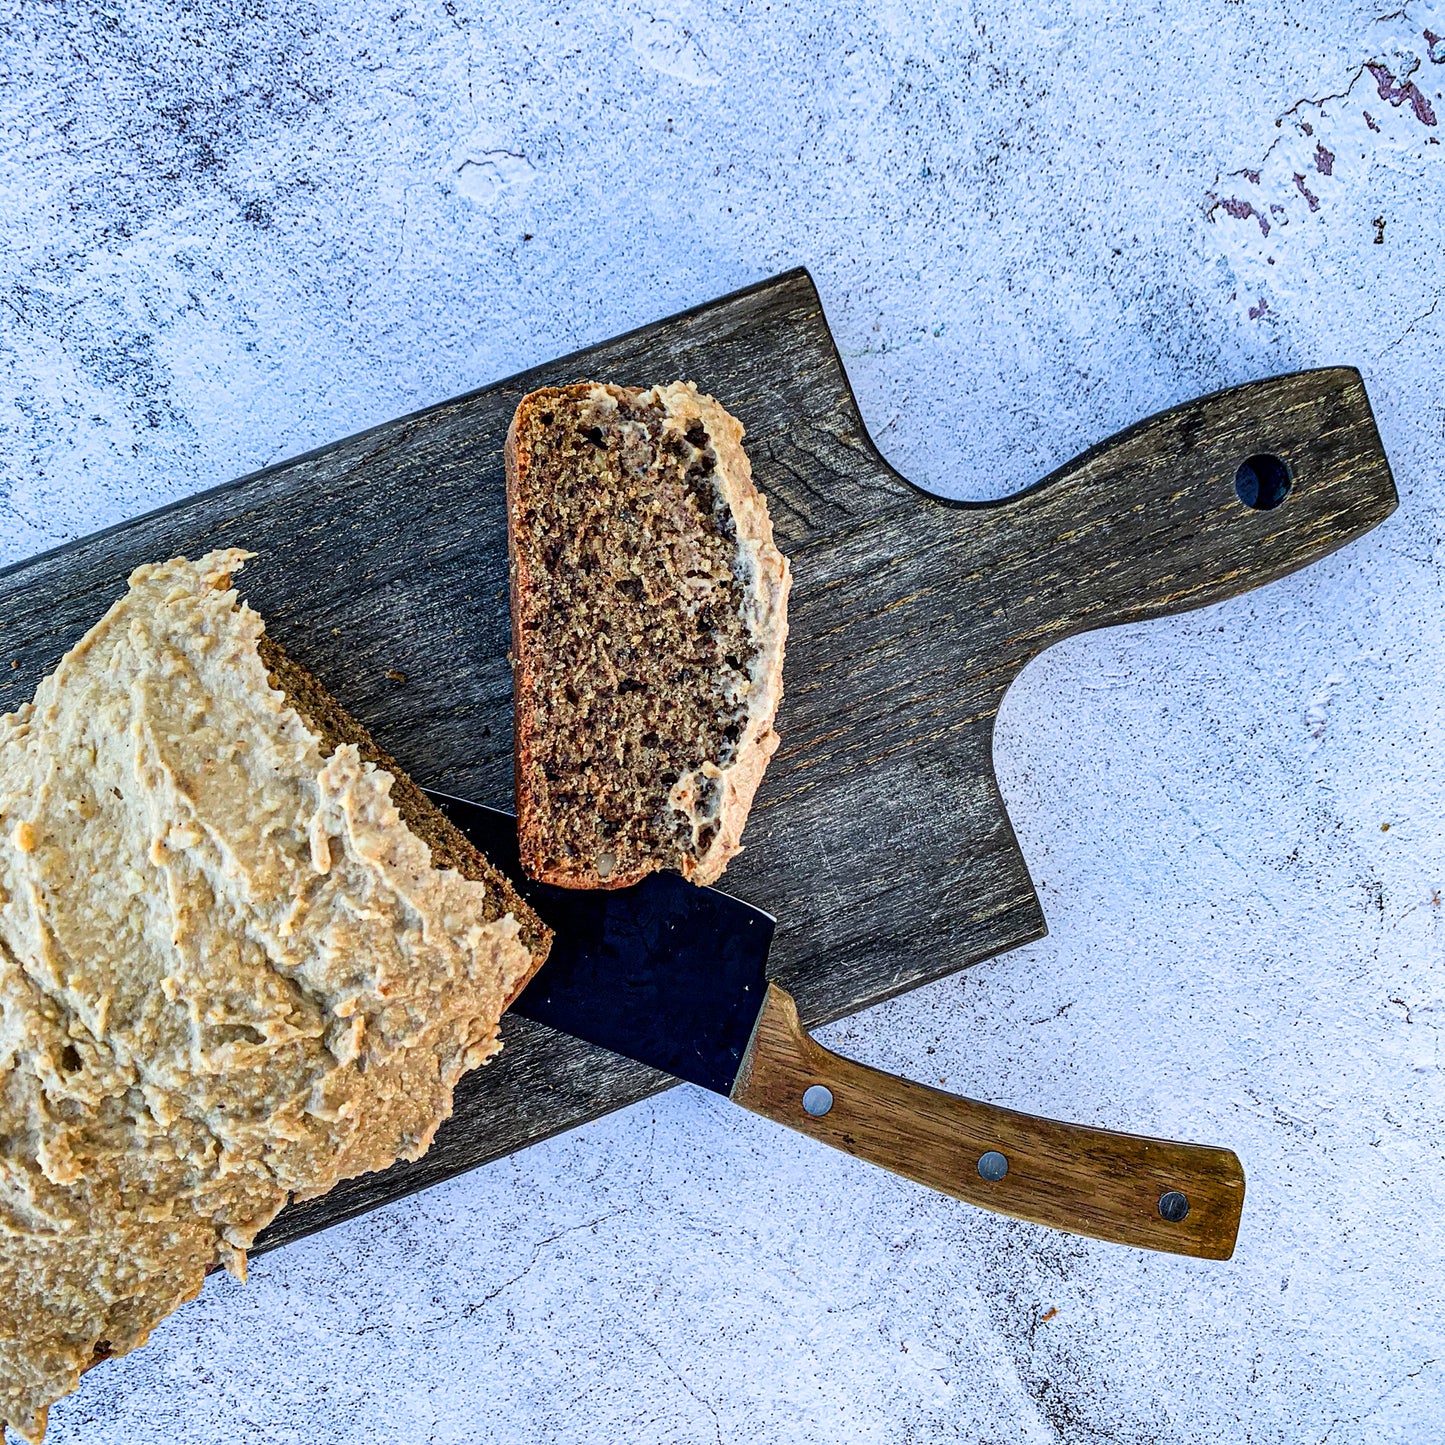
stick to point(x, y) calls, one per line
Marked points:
point(1398, 92)
point(1240, 210)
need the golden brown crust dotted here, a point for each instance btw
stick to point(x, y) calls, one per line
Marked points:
point(529, 840)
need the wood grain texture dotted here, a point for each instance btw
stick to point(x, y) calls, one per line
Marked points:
point(1089, 1181)
point(878, 838)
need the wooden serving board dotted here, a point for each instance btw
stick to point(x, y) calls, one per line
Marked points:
point(879, 838)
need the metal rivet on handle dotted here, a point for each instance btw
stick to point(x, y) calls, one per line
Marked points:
point(992, 1166)
point(817, 1099)
point(1174, 1207)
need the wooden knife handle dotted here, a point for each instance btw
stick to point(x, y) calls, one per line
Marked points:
point(1118, 1187)
point(1151, 521)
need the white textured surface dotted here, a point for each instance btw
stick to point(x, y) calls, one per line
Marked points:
point(232, 232)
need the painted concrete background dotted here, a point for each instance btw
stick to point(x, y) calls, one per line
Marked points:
point(232, 231)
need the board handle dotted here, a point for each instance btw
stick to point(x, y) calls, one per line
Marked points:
point(1150, 1193)
point(1196, 504)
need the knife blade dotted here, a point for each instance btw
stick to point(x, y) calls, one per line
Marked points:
point(675, 976)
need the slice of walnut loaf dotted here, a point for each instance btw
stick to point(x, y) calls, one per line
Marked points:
point(649, 611)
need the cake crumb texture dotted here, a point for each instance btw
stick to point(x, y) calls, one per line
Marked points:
point(649, 612)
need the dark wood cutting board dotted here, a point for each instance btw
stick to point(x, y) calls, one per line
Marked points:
point(879, 838)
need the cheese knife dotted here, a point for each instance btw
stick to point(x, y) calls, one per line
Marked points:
point(675, 976)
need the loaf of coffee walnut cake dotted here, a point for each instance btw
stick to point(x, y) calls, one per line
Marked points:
point(242, 957)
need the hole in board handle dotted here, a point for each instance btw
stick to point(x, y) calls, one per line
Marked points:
point(1263, 481)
